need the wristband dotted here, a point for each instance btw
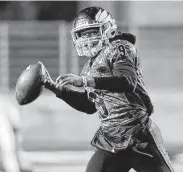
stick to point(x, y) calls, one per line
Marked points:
point(84, 81)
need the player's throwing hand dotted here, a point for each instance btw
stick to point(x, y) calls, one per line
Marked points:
point(47, 80)
point(69, 79)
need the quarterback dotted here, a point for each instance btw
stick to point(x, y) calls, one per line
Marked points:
point(111, 84)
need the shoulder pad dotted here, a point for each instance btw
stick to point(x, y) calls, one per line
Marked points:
point(124, 50)
point(120, 49)
point(124, 36)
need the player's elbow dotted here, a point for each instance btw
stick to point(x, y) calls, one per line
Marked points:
point(129, 88)
point(90, 109)
point(129, 85)
point(90, 112)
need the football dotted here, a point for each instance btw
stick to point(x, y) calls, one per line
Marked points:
point(29, 84)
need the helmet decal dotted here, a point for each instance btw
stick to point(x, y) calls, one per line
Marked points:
point(98, 15)
point(102, 16)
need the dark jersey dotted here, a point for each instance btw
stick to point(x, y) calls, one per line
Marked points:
point(119, 112)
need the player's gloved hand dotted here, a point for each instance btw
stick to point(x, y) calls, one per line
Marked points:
point(47, 80)
point(69, 79)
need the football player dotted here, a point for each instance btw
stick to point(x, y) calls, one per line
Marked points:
point(111, 84)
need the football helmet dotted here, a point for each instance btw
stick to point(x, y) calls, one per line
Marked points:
point(92, 29)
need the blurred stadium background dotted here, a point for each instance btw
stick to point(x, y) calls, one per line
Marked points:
point(56, 137)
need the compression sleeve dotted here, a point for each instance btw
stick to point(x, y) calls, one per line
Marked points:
point(76, 97)
point(113, 84)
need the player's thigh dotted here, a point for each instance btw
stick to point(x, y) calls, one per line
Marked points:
point(103, 161)
point(159, 162)
point(151, 164)
point(158, 150)
point(148, 164)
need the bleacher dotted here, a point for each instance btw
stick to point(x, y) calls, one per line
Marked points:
point(30, 42)
point(161, 55)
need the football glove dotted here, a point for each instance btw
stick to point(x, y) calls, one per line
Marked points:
point(47, 80)
point(71, 79)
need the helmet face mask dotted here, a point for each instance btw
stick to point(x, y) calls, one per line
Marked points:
point(88, 41)
point(90, 32)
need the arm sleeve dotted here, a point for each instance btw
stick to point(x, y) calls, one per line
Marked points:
point(124, 77)
point(76, 98)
